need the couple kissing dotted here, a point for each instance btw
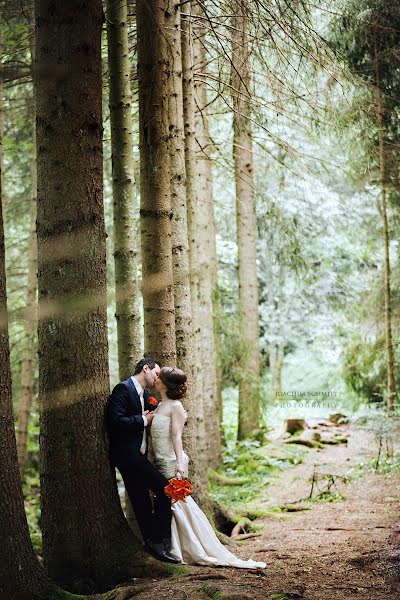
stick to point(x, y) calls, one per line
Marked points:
point(177, 533)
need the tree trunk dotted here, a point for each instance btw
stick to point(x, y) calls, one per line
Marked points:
point(249, 404)
point(276, 364)
point(185, 280)
point(391, 385)
point(87, 544)
point(180, 247)
point(125, 254)
point(29, 360)
point(30, 352)
point(155, 201)
point(205, 233)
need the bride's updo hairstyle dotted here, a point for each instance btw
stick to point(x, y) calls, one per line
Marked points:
point(175, 382)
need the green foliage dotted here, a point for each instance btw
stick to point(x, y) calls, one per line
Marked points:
point(367, 36)
point(230, 347)
point(324, 487)
point(387, 465)
point(250, 459)
point(364, 368)
point(31, 489)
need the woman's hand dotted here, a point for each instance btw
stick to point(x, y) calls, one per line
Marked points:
point(179, 471)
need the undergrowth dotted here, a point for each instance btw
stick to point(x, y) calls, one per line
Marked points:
point(254, 461)
point(387, 465)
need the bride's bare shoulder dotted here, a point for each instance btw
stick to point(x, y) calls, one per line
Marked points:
point(177, 407)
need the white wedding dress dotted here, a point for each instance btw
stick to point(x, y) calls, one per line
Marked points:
point(193, 540)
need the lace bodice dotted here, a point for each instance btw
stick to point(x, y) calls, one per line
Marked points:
point(161, 439)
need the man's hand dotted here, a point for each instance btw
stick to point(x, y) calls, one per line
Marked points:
point(149, 416)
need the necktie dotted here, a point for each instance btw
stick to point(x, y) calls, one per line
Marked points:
point(143, 444)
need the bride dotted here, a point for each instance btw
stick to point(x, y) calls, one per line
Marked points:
point(193, 540)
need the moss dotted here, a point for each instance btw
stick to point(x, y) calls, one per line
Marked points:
point(59, 594)
point(175, 570)
point(293, 507)
point(211, 591)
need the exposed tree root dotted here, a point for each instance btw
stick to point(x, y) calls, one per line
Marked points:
point(226, 540)
point(227, 480)
point(242, 525)
point(246, 536)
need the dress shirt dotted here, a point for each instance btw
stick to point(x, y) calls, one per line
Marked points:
point(140, 391)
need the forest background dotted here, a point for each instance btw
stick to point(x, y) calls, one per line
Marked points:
point(247, 157)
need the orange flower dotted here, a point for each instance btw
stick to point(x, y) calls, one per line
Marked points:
point(178, 489)
point(152, 400)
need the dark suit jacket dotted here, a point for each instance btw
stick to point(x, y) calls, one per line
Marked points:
point(124, 419)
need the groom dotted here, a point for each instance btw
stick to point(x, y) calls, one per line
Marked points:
point(127, 418)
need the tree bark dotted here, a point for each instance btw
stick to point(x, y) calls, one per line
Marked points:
point(249, 404)
point(183, 166)
point(155, 201)
point(180, 246)
point(391, 384)
point(125, 254)
point(87, 544)
point(29, 361)
point(204, 226)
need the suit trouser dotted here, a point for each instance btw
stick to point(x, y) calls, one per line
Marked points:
point(140, 476)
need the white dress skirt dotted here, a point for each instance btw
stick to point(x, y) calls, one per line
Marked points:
point(193, 540)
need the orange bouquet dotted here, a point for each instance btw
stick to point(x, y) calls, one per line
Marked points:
point(178, 489)
point(152, 400)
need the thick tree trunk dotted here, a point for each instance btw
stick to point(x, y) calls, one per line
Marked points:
point(125, 254)
point(87, 544)
point(249, 405)
point(391, 384)
point(155, 200)
point(205, 233)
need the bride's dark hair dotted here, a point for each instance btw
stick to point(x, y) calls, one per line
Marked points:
point(175, 382)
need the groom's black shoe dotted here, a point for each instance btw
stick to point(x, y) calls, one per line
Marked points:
point(159, 551)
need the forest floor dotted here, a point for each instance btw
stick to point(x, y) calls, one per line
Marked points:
point(332, 551)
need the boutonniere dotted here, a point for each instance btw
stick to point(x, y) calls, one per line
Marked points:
point(153, 401)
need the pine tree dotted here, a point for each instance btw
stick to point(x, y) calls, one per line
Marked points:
point(366, 37)
point(126, 287)
point(194, 434)
point(249, 404)
point(204, 229)
point(87, 543)
point(29, 361)
point(155, 200)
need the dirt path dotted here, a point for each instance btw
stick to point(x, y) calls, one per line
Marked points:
point(334, 551)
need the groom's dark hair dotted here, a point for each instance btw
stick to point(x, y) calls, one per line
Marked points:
point(145, 361)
